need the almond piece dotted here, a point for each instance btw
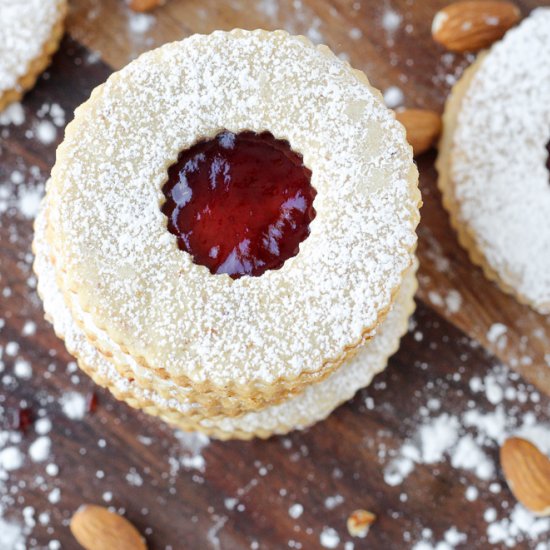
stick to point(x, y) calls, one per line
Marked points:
point(471, 26)
point(423, 128)
point(527, 472)
point(359, 523)
point(96, 528)
point(143, 5)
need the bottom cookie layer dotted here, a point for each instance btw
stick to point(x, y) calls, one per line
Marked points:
point(314, 404)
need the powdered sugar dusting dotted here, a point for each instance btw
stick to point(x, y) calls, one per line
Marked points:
point(73, 405)
point(467, 441)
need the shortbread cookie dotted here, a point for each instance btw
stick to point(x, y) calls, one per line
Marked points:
point(30, 32)
point(254, 335)
point(313, 405)
point(493, 161)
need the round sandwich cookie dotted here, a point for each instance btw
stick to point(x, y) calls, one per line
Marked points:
point(235, 213)
point(493, 161)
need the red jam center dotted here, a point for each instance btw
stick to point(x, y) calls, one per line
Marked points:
point(240, 203)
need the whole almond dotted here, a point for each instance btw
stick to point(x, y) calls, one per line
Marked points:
point(359, 523)
point(527, 472)
point(423, 128)
point(471, 26)
point(96, 528)
point(143, 5)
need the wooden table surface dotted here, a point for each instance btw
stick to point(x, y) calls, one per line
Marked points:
point(467, 339)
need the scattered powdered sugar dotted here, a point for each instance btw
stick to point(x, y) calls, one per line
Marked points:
point(269, 8)
point(329, 538)
point(333, 501)
point(355, 33)
point(297, 18)
point(39, 450)
point(22, 369)
point(296, 510)
point(448, 436)
point(46, 132)
point(497, 334)
point(437, 437)
point(467, 440)
point(12, 536)
point(451, 538)
point(471, 493)
point(11, 458)
point(133, 478)
point(450, 68)
point(29, 328)
point(54, 496)
point(192, 444)
point(13, 114)
point(73, 405)
point(452, 301)
point(29, 201)
point(520, 523)
point(393, 97)
point(21, 191)
point(43, 426)
point(391, 20)
point(140, 23)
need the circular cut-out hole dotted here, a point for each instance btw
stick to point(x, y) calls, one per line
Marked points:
point(240, 204)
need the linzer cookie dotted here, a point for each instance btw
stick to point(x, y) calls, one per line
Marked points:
point(30, 32)
point(493, 161)
point(229, 219)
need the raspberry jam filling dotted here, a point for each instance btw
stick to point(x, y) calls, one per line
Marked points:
point(240, 204)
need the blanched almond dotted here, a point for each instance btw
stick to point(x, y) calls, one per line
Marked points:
point(423, 128)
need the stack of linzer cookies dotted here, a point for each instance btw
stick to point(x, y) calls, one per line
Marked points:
point(227, 239)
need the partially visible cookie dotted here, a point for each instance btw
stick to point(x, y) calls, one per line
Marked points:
point(30, 32)
point(493, 158)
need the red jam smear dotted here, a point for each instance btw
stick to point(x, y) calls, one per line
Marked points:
point(240, 204)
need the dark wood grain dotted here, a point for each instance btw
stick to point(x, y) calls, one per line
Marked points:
point(345, 455)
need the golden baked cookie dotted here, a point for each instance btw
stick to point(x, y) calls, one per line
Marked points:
point(30, 32)
point(314, 404)
point(493, 161)
point(234, 320)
